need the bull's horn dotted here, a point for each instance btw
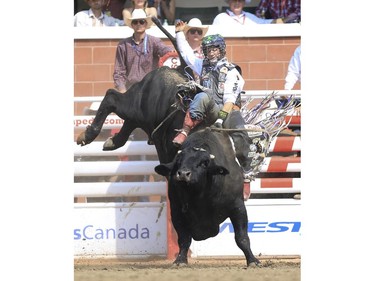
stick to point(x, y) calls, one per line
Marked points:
point(212, 156)
point(178, 152)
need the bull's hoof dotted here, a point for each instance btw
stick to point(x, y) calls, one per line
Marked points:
point(81, 139)
point(109, 145)
point(179, 264)
point(254, 264)
point(180, 261)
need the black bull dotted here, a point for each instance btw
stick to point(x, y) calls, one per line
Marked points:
point(205, 186)
point(148, 105)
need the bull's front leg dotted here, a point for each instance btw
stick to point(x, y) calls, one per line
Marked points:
point(184, 242)
point(119, 139)
point(184, 236)
point(90, 134)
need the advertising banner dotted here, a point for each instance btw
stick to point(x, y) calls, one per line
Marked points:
point(274, 228)
point(120, 229)
point(139, 230)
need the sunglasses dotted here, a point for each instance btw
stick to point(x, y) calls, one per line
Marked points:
point(195, 30)
point(141, 22)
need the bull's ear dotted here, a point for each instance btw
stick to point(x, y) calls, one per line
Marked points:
point(218, 170)
point(164, 169)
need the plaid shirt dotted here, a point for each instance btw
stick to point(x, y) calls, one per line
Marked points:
point(279, 8)
point(133, 61)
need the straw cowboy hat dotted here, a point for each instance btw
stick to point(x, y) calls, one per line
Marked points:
point(196, 23)
point(137, 15)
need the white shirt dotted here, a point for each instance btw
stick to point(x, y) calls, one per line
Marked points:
point(244, 19)
point(294, 70)
point(188, 53)
point(87, 18)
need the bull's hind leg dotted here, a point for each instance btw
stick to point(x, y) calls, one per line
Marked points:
point(240, 225)
point(107, 106)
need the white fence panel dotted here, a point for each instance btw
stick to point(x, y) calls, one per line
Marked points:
point(119, 189)
point(130, 148)
point(114, 168)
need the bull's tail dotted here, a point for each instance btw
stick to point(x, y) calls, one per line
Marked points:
point(183, 65)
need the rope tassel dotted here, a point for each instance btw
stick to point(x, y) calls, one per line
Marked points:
point(273, 123)
point(260, 118)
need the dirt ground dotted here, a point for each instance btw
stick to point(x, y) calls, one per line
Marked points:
point(271, 269)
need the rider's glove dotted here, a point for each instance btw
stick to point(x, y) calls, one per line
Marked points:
point(219, 123)
point(221, 117)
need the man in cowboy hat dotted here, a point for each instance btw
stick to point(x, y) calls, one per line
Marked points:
point(194, 32)
point(139, 54)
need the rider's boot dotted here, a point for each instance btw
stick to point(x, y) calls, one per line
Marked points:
point(186, 127)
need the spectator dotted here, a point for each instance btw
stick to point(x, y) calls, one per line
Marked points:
point(94, 16)
point(294, 70)
point(293, 76)
point(166, 10)
point(236, 16)
point(139, 4)
point(114, 8)
point(139, 54)
point(218, 95)
point(194, 32)
point(288, 10)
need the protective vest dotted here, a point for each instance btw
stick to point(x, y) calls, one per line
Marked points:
point(214, 78)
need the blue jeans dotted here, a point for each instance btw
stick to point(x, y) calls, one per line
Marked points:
point(204, 107)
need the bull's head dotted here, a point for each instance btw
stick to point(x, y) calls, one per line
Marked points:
point(191, 165)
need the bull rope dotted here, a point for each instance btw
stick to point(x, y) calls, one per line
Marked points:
point(162, 122)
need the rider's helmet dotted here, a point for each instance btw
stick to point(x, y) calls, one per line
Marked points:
point(215, 40)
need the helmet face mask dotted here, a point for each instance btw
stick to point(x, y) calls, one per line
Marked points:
point(211, 42)
point(214, 54)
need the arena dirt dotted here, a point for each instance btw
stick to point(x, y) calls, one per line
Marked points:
point(272, 269)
